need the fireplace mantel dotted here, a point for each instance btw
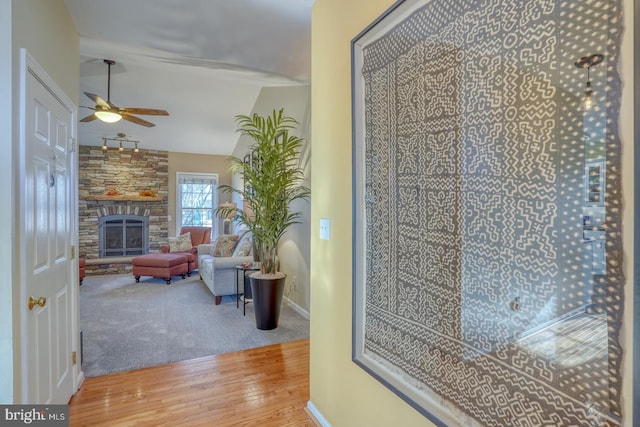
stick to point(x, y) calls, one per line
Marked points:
point(123, 198)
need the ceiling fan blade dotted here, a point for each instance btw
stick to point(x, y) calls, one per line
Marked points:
point(98, 100)
point(145, 111)
point(136, 120)
point(91, 117)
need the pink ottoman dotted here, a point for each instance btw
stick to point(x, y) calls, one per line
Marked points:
point(161, 265)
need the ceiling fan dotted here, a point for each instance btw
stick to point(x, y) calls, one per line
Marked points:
point(110, 113)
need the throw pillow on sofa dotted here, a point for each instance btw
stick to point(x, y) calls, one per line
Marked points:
point(225, 245)
point(243, 248)
point(181, 243)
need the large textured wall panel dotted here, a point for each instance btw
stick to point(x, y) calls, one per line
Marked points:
point(480, 289)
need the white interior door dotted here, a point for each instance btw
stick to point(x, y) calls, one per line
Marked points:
point(48, 240)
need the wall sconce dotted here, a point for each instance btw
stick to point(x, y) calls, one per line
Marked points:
point(226, 222)
point(589, 102)
point(121, 139)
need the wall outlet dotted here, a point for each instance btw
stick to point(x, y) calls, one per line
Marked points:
point(325, 229)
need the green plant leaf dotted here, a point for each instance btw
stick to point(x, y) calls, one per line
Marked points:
point(272, 181)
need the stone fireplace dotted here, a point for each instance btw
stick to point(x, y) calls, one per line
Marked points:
point(110, 187)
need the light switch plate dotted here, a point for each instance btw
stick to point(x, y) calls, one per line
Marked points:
point(325, 229)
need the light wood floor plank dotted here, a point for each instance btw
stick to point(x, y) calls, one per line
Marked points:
point(267, 386)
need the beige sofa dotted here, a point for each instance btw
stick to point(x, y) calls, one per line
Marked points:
point(219, 272)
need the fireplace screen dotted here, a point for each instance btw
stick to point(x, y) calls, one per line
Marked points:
point(123, 235)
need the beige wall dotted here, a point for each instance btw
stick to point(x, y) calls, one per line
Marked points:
point(46, 30)
point(342, 392)
point(197, 163)
point(345, 394)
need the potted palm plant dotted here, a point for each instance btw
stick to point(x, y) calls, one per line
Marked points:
point(273, 180)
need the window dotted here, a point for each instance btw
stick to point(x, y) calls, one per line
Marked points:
point(196, 196)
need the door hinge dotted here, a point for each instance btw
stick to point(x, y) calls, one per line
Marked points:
point(73, 252)
point(74, 357)
point(72, 142)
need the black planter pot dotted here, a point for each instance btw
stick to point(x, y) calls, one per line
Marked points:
point(267, 299)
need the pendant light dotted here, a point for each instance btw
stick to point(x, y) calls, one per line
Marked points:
point(588, 101)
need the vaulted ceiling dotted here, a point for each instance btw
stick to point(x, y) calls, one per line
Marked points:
point(204, 61)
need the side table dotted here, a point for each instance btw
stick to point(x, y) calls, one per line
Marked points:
point(241, 270)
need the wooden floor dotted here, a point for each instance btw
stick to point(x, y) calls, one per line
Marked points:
point(266, 386)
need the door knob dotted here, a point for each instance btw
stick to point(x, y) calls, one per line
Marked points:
point(33, 302)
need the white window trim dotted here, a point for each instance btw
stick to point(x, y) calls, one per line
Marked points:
point(214, 229)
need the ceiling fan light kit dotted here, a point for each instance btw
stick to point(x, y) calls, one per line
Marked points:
point(108, 116)
point(107, 112)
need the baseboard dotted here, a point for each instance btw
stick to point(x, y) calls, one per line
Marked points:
point(79, 381)
point(301, 311)
point(315, 415)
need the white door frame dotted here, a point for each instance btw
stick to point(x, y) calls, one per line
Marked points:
point(28, 65)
